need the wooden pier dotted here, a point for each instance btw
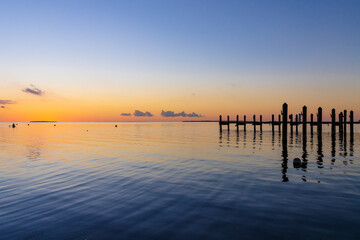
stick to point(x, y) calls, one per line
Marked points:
point(300, 119)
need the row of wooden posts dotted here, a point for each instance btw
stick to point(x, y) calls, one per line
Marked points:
point(283, 122)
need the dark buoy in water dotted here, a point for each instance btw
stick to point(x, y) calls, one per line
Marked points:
point(115, 125)
point(297, 162)
point(28, 124)
point(13, 125)
point(54, 125)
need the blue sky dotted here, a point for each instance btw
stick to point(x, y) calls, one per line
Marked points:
point(231, 36)
point(112, 45)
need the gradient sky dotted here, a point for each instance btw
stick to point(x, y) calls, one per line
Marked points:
point(94, 60)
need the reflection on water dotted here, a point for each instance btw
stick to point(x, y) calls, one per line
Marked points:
point(296, 141)
point(176, 181)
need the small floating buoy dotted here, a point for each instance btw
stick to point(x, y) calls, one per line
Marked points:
point(297, 162)
point(115, 125)
point(13, 125)
point(54, 125)
point(28, 124)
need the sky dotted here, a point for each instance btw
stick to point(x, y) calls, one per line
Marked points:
point(176, 60)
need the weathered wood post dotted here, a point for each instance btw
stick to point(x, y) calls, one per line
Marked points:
point(254, 119)
point(345, 121)
point(351, 126)
point(272, 123)
point(244, 123)
point(228, 122)
point(237, 123)
point(319, 123)
point(341, 123)
point(279, 123)
point(220, 123)
point(333, 122)
point(284, 122)
point(260, 123)
point(291, 124)
point(304, 113)
point(312, 123)
point(297, 123)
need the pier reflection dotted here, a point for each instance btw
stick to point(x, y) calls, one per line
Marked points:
point(284, 164)
point(297, 151)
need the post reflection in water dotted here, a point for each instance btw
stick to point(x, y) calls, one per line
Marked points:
point(351, 146)
point(237, 139)
point(284, 164)
point(308, 150)
point(220, 139)
point(333, 149)
point(304, 155)
point(319, 152)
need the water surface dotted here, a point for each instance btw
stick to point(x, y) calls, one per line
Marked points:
point(175, 181)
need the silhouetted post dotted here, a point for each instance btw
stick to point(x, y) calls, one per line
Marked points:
point(341, 124)
point(220, 122)
point(351, 126)
point(254, 118)
point(228, 122)
point(319, 125)
point(260, 123)
point(333, 122)
point(272, 123)
point(285, 117)
point(312, 123)
point(304, 113)
point(297, 123)
point(244, 123)
point(279, 123)
point(237, 123)
point(345, 121)
point(291, 124)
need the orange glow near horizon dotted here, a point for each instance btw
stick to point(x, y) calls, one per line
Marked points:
point(209, 102)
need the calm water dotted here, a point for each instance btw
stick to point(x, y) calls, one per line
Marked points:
point(175, 181)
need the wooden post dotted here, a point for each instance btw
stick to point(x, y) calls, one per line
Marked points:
point(279, 123)
point(312, 123)
point(260, 123)
point(351, 125)
point(304, 113)
point(333, 122)
point(319, 123)
point(291, 124)
point(220, 123)
point(254, 118)
point(237, 123)
point(228, 122)
point(284, 121)
point(297, 123)
point(345, 121)
point(244, 123)
point(341, 123)
point(272, 123)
